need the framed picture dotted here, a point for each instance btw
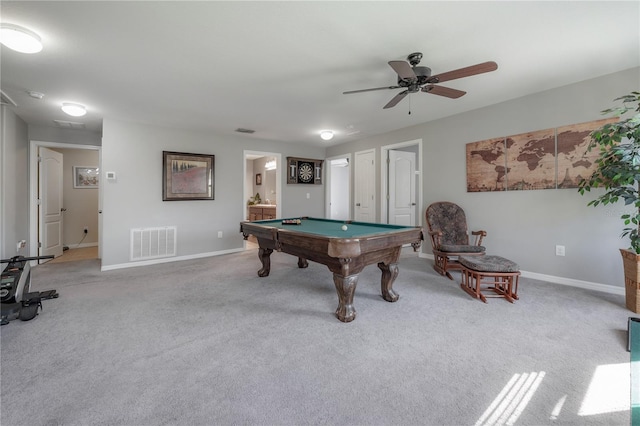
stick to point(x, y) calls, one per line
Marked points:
point(85, 177)
point(259, 179)
point(187, 176)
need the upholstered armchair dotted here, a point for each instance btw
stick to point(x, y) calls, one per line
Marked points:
point(449, 235)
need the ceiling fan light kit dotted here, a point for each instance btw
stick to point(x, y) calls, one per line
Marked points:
point(20, 39)
point(413, 79)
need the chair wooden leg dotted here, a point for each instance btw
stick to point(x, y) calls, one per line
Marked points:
point(471, 284)
point(440, 264)
point(503, 284)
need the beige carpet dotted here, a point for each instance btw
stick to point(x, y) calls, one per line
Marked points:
point(77, 254)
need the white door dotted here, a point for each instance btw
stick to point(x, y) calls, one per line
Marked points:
point(364, 186)
point(50, 202)
point(402, 188)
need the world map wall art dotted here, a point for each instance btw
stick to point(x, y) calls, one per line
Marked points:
point(543, 159)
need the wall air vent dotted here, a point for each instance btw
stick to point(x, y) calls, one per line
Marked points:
point(243, 130)
point(153, 243)
point(69, 124)
point(6, 100)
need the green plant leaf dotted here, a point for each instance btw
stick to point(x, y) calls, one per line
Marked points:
point(618, 163)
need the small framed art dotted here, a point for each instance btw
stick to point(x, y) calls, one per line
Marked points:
point(85, 177)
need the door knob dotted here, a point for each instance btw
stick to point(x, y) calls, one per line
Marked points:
point(63, 209)
point(357, 204)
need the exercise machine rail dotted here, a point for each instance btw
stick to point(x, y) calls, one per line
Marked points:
point(16, 298)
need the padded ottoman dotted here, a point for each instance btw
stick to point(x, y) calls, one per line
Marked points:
point(494, 273)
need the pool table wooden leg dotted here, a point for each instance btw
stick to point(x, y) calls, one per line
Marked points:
point(264, 254)
point(346, 288)
point(389, 274)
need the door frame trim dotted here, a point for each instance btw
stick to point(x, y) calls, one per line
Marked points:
point(33, 188)
point(279, 165)
point(384, 178)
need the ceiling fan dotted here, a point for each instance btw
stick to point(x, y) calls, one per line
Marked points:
point(414, 78)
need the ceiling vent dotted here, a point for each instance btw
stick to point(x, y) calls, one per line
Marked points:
point(243, 130)
point(69, 124)
point(6, 100)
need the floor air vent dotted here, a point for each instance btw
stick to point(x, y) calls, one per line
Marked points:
point(152, 243)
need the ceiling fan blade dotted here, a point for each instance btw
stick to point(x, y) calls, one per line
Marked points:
point(397, 98)
point(443, 91)
point(464, 72)
point(369, 90)
point(403, 69)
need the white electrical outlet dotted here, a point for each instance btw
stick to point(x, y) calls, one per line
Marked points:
point(219, 234)
point(308, 195)
point(559, 250)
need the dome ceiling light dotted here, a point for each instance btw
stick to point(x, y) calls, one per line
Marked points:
point(326, 135)
point(75, 110)
point(20, 39)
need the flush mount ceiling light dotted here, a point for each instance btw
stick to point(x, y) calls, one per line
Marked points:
point(75, 110)
point(20, 39)
point(326, 135)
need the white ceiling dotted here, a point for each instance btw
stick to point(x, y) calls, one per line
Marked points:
point(280, 67)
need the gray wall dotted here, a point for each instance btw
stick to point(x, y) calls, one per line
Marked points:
point(524, 225)
point(61, 135)
point(134, 199)
point(14, 184)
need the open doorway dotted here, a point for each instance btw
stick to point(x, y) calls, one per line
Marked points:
point(262, 186)
point(401, 183)
point(65, 200)
point(338, 187)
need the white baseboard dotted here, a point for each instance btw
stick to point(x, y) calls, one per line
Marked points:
point(605, 288)
point(168, 259)
point(76, 246)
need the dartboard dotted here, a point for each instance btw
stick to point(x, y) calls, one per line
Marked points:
point(305, 172)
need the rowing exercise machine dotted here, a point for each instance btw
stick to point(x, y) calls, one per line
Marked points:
point(16, 298)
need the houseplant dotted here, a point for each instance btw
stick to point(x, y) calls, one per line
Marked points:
point(618, 172)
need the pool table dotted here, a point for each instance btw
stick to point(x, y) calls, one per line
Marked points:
point(344, 252)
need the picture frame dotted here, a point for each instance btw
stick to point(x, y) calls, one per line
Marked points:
point(187, 176)
point(258, 178)
point(85, 177)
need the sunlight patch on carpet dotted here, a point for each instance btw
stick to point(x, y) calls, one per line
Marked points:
point(512, 400)
point(608, 390)
point(558, 408)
